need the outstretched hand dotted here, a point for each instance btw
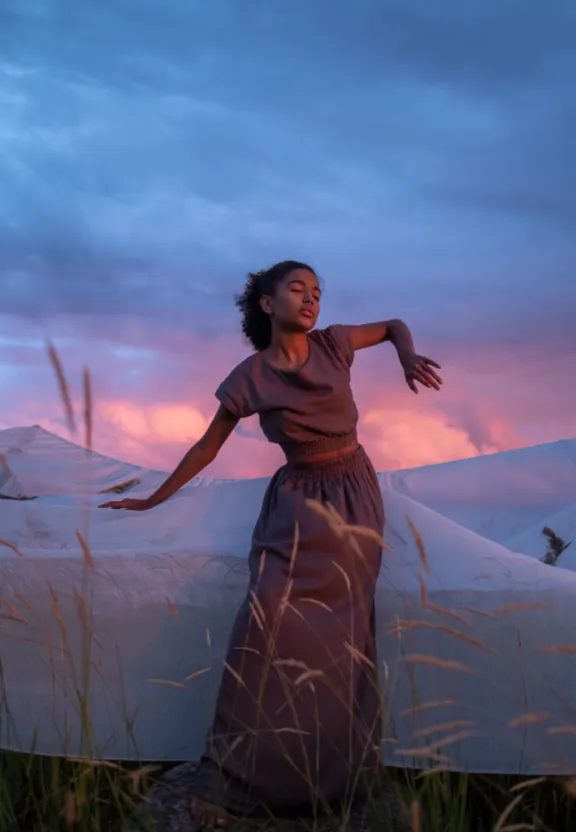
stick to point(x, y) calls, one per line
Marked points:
point(418, 368)
point(128, 503)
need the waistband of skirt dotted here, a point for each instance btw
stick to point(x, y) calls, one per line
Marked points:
point(296, 451)
point(334, 467)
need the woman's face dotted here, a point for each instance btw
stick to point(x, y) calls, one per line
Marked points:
point(295, 305)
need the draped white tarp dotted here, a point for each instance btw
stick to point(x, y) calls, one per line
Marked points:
point(113, 625)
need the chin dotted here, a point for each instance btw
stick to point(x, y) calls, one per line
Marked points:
point(306, 324)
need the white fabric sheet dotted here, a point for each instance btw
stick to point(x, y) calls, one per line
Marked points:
point(142, 622)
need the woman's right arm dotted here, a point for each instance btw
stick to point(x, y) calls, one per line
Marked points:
point(195, 460)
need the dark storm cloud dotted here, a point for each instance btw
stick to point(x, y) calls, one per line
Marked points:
point(420, 154)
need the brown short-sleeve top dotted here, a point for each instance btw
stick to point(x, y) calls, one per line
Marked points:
point(304, 411)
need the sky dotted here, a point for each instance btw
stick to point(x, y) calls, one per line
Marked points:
point(419, 155)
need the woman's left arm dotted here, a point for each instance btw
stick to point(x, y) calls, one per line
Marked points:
point(417, 368)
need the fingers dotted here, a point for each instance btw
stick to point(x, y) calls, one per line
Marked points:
point(419, 374)
point(428, 380)
point(426, 365)
point(426, 374)
point(433, 375)
point(432, 363)
point(424, 377)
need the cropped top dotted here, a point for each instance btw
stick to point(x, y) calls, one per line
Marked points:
point(305, 411)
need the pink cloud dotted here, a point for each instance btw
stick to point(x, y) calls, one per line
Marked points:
point(150, 406)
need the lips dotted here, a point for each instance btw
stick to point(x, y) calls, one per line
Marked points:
point(307, 313)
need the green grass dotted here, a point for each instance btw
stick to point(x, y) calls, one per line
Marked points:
point(43, 794)
point(49, 793)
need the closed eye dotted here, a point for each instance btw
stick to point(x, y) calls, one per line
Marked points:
point(298, 286)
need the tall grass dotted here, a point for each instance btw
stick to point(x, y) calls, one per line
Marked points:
point(41, 794)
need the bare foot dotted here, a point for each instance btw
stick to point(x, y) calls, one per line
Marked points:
point(208, 815)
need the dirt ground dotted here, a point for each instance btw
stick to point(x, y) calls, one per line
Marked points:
point(168, 810)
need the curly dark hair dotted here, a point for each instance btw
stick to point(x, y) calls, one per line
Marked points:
point(256, 324)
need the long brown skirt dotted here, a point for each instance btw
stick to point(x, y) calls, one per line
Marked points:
point(298, 712)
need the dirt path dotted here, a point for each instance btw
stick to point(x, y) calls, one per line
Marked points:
point(168, 810)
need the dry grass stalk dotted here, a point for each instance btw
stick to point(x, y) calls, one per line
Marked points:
point(332, 518)
point(443, 726)
point(294, 551)
point(197, 673)
point(88, 409)
point(570, 786)
point(358, 655)
point(416, 822)
point(12, 548)
point(423, 588)
point(411, 624)
point(86, 554)
point(56, 608)
point(429, 605)
point(173, 610)
point(63, 388)
point(230, 749)
point(434, 771)
point(307, 676)
point(432, 751)
point(527, 607)
point(340, 528)
point(15, 613)
point(445, 664)
point(501, 822)
point(474, 611)
point(565, 729)
point(528, 719)
point(70, 809)
point(559, 648)
point(318, 603)
point(290, 663)
point(135, 778)
point(288, 730)
point(92, 764)
point(427, 752)
point(344, 575)
point(425, 706)
point(419, 545)
point(25, 602)
point(238, 678)
point(285, 599)
point(528, 784)
point(168, 682)
point(367, 532)
point(82, 607)
point(257, 611)
point(451, 739)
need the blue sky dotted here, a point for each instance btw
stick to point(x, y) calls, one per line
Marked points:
point(419, 155)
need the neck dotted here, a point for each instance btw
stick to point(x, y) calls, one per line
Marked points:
point(289, 348)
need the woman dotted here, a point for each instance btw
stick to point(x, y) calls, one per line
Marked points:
point(297, 719)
